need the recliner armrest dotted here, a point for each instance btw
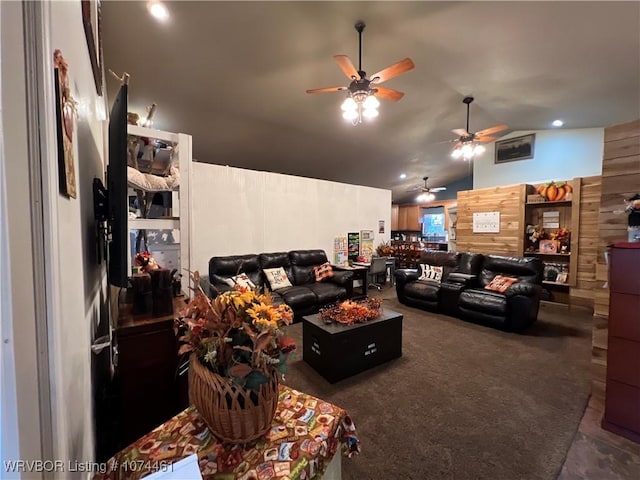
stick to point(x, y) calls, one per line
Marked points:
point(341, 277)
point(465, 279)
point(523, 288)
point(405, 275)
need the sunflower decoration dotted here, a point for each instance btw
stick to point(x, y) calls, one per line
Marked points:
point(238, 334)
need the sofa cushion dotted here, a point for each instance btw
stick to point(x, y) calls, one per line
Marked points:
point(527, 269)
point(430, 272)
point(223, 268)
point(302, 264)
point(500, 283)
point(298, 297)
point(328, 292)
point(447, 260)
point(242, 280)
point(275, 260)
point(423, 289)
point(482, 300)
point(277, 278)
point(322, 272)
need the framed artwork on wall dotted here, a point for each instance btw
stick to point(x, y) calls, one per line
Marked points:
point(65, 126)
point(512, 149)
point(91, 21)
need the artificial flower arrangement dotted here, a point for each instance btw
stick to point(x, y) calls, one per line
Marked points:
point(562, 236)
point(385, 249)
point(238, 334)
point(146, 262)
point(350, 312)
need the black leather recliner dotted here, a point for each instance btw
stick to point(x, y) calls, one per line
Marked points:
point(305, 296)
point(461, 292)
point(516, 308)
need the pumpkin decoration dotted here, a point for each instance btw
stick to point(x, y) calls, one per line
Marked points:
point(554, 192)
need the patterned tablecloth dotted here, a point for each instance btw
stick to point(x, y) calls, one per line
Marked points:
point(305, 435)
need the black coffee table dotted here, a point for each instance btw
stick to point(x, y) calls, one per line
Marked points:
point(338, 351)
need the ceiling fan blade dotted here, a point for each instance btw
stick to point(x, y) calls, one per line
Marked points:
point(327, 89)
point(490, 130)
point(416, 188)
point(461, 132)
point(393, 71)
point(346, 66)
point(389, 93)
point(437, 189)
point(484, 139)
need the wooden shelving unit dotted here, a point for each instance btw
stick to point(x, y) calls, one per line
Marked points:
point(567, 212)
point(181, 224)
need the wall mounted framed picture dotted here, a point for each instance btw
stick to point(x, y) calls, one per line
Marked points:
point(65, 126)
point(91, 21)
point(513, 149)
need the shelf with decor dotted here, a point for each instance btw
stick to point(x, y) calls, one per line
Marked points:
point(551, 223)
point(159, 173)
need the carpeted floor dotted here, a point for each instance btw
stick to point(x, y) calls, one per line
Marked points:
point(465, 401)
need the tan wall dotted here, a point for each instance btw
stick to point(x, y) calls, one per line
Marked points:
point(509, 201)
point(620, 180)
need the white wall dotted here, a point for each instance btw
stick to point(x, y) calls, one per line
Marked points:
point(20, 332)
point(81, 292)
point(75, 283)
point(237, 211)
point(558, 155)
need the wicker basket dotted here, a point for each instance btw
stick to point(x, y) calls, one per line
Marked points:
point(233, 414)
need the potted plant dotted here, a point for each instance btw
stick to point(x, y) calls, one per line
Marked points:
point(238, 352)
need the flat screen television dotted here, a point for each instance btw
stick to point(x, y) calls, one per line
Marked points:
point(118, 201)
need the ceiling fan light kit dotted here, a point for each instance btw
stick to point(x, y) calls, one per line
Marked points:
point(362, 92)
point(469, 145)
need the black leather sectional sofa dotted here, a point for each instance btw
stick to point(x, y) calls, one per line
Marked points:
point(305, 297)
point(462, 293)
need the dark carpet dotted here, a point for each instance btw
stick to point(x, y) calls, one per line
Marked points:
point(464, 401)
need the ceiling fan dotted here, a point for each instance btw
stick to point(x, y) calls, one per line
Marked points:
point(363, 90)
point(426, 192)
point(468, 144)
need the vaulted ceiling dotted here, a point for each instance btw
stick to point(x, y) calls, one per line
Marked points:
point(234, 75)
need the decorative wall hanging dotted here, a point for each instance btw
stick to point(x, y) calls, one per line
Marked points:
point(91, 20)
point(512, 149)
point(65, 119)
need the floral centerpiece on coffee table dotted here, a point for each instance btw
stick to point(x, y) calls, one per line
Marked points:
point(350, 312)
point(238, 335)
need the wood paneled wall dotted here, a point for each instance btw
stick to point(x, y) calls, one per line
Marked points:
point(620, 180)
point(587, 245)
point(509, 201)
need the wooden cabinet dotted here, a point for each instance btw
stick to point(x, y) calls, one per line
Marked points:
point(559, 256)
point(394, 217)
point(409, 218)
point(622, 401)
point(147, 372)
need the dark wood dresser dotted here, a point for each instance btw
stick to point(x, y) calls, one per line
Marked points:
point(147, 371)
point(622, 401)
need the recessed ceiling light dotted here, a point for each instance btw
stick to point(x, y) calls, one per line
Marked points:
point(557, 123)
point(158, 10)
point(403, 176)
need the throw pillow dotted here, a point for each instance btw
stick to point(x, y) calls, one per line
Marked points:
point(500, 283)
point(241, 280)
point(277, 278)
point(323, 272)
point(430, 272)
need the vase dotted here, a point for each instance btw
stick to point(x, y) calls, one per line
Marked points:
point(232, 413)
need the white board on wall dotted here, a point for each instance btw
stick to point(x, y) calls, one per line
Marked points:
point(486, 222)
